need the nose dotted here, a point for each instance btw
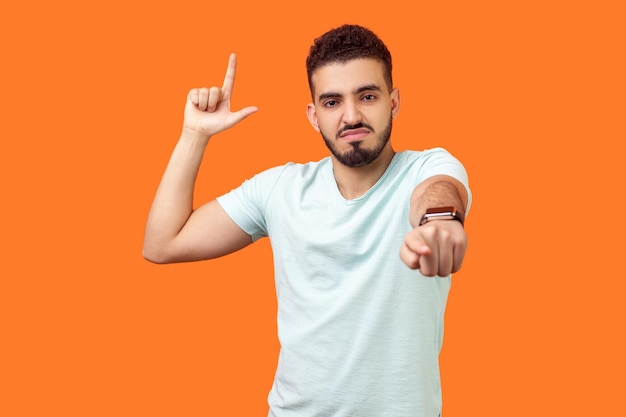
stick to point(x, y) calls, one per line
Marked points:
point(352, 113)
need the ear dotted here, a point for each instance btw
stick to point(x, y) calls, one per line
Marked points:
point(312, 115)
point(395, 102)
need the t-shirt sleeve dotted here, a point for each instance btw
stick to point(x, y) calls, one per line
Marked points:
point(246, 204)
point(438, 161)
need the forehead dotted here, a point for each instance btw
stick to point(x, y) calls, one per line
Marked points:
point(344, 78)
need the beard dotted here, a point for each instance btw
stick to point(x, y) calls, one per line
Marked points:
point(359, 156)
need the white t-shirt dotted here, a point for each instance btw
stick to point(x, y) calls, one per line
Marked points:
point(360, 332)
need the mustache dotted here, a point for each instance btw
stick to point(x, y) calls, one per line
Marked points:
point(354, 127)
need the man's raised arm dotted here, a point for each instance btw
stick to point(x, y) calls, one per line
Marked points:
point(174, 231)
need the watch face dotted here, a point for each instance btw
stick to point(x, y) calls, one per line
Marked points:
point(441, 216)
point(441, 213)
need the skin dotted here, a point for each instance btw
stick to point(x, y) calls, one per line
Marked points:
point(348, 95)
point(352, 107)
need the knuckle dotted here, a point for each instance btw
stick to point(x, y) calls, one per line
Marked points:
point(460, 240)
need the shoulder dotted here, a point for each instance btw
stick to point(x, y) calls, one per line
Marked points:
point(424, 156)
point(420, 165)
point(428, 158)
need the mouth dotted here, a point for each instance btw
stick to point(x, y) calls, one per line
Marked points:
point(352, 135)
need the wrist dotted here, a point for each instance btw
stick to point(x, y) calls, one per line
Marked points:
point(442, 213)
point(193, 135)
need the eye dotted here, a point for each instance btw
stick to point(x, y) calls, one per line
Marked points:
point(369, 97)
point(331, 103)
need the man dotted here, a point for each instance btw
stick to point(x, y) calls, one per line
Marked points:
point(364, 241)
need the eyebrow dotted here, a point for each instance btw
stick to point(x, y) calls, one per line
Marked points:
point(368, 87)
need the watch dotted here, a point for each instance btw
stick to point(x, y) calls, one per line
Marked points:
point(442, 213)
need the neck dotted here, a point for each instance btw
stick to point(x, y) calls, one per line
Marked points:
point(353, 182)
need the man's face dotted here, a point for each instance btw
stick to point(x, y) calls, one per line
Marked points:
point(353, 110)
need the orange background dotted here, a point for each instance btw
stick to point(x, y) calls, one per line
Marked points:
point(528, 94)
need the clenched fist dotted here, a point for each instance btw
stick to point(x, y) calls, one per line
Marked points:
point(436, 248)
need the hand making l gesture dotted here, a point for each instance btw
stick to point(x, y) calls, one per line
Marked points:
point(208, 109)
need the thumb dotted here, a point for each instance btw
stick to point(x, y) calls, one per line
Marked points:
point(411, 255)
point(243, 113)
point(418, 245)
point(422, 249)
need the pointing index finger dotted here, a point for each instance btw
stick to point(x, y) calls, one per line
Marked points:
point(229, 78)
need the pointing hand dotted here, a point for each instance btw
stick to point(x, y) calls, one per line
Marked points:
point(436, 248)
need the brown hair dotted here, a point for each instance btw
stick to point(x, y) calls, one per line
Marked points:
point(344, 44)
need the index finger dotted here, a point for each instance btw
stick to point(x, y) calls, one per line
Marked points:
point(229, 78)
